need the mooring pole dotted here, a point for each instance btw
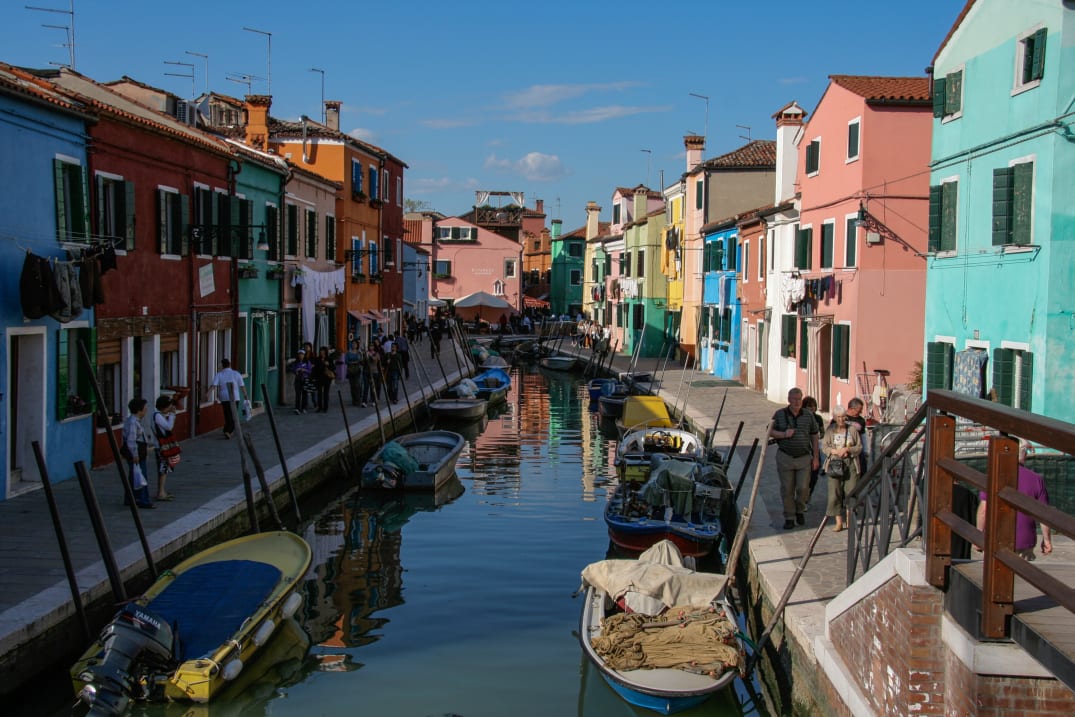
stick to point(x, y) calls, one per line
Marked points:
point(280, 452)
point(101, 533)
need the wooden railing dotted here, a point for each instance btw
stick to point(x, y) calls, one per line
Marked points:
point(1001, 564)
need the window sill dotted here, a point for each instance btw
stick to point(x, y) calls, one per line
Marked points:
point(851, 160)
point(952, 117)
point(1020, 89)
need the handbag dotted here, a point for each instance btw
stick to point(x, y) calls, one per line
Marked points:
point(837, 468)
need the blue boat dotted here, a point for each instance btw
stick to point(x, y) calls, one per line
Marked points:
point(493, 384)
point(599, 387)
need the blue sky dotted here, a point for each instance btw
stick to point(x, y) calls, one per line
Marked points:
point(564, 101)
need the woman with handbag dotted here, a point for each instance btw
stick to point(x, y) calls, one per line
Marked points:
point(168, 450)
point(324, 373)
point(134, 448)
point(842, 447)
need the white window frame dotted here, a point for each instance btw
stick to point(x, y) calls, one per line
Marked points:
point(760, 348)
point(858, 148)
point(848, 241)
point(744, 259)
point(169, 190)
point(818, 170)
point(510, 269)
point(385, 185)
point(1018, 87)
point(820, 249)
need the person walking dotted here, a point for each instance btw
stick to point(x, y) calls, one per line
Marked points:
point(163, 425)
point(842, 446)
point(795, 433)
point(404, 348)
point(392, 370)
point(810, 404)
point(301, 367)
point(324, 373)
point(371, 374)
point(353, 359)
point(434, 339)
point(134, 447)
point(854, 415)
point(229, 387)
point(1032, 484)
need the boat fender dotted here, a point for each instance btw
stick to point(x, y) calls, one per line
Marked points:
point(232, 669)
point(264, 632)
point(291, 605)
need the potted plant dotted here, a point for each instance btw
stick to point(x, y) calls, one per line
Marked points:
point(375, 278)
point(276, 271)
point(247, 271)
point(358, 195)
point(358, 278)
point(375, 203)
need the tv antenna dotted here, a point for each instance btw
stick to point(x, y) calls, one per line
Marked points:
point(242, 79)
point(190, 65)
point(68, 28)
point(747, 128)
point(268, 78)
point(206, 58)
point(706, 98)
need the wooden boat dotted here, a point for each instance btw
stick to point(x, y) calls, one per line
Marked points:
point(191, 633)
point(598, 387)
point(610, 405)
point(459, 409)
point(495, 362)
point(661, 593)
point(493, 384)
point(419, 461)
point(559, 363)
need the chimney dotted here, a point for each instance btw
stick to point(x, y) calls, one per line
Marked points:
point(332, 114)
point(593, 214)
point(641, 203)
point(695, 145)
point(789, 123)
point(539, 206)
point(557, 226)
point(257, 121)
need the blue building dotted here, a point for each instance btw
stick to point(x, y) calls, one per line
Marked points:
point(46, 396)
point(721, 309)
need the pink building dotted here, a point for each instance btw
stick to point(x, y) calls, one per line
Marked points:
point(854, 301)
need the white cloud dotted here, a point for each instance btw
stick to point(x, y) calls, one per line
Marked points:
point(548, 95)
point(434, 185)
point(588, 116)
point(366, 135)
point(534, 166)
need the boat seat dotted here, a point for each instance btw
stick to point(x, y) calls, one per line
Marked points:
point(209, 603)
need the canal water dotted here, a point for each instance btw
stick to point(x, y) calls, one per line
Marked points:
point(461, 603)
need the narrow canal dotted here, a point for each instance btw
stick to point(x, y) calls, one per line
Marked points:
point(462, 603)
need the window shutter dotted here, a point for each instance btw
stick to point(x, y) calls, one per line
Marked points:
point(812, 156)
point(938, 96)
point(804, 344)
point(162, 221)
point(330, 238)
point(61, 208)
point(939, 355)
point(827, 234)
point(1022, 202)
point(949, 207)
point(84, 205)
point(953, 101)
point(800, 249)
point(837, 350)
point(787, 335)
point(851, 238)
point(1002, 205)
point(248, 232)
point(853, 140)
point(63, 380)
point(128, 215)
point(1026, 380)
point(1003, 371)
point(1037, 59)
point(935, 218)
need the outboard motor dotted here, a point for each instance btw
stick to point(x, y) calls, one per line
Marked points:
point(137, 642)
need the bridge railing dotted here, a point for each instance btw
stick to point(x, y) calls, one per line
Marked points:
point(1001, 563)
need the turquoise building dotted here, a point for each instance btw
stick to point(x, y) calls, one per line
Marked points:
point(721, 309)
point(568, 255)
point(1000, 293)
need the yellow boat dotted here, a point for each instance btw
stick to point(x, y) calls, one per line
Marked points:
point(191, 633)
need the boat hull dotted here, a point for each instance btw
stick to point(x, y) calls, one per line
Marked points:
point(435, 452)
point(461, 409)
point(493, 384)
point(559, 363)
point(256, 576)
point(611, 406)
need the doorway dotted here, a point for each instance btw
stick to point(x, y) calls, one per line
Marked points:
point(27, 404)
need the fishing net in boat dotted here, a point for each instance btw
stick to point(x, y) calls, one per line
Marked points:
point(685, 638)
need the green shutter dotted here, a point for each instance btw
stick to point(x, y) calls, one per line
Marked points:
point(699, 194)
point(1022, 202)
point(162, 221)
point(852, 140)
point(128, 215)
point(330, 238)
point(184, 225)
point(813, 155)
point(1003, 371)
point(953, 100)
point(949, 207)
point(938, 96)
point(837, 350)
point(787, 335)
point(851, 239)
point(804, 344)
point(1002, 205)
point(800, 248)
point(1026, 380)
point(828, 232)
point(61, 208)
point(1037, 58)
point(63, 380)
point(935, 218)
point(84, 205)
point(939, 358)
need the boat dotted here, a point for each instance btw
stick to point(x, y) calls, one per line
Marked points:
point(629, 606)
point(493, 384)
point(495, 362)
point(610, 405)
point(459, 409)
point(190, 634)
point(643, 412)
point(598, 387)
point(418, 461)
point(559, 363)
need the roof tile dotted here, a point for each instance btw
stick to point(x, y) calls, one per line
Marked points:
point(885, 89)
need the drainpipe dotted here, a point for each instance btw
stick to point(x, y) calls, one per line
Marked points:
point(305, 157)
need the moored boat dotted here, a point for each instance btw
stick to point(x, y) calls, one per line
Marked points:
point(598, 387)
point(459, 409)
point(643, 412)
point(191, 633)
point(559, 363)
point(610, 404)
point(493, 384)
point(418, 461)
point(630, 604)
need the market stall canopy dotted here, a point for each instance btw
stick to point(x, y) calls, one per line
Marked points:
point(482, 298)
point(535, 303)
point(437, 302)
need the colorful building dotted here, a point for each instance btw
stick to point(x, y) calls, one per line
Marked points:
point(567, 270)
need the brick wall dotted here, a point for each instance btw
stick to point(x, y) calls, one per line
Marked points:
point(891, 643)
point(971, 695)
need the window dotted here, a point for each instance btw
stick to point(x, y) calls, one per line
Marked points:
point(375, 260)
point(373, 183)
point(172, 208)
point(762, 247)
point(442, 269)
point(1013, 376)
point(455, 234)
point(828, 238)
point(74, 395)
point(1013, 204)
point(699, 194)
point(851, 237)
point(115, 210)
point(1029, 60)
point(616, 213)
point(948, 95)
point(575, 249)
point(804, 344)
point(292, 231)
point(204, 220)
point(841, 351)
point(244, 218)
point(608, 264)
point(640, 264)
point(272, 231)
point(224, 221)
point(109, 357)
point(804, 248)
point(170, 373)
point(940, 359)
point(760, 346)
point(399, 191)
point(330, 238)
point(788, 325)
point(772, 249)
point(356, 178)
point(576, 277)
point(853, 139)
point(942, 216)
point(813, 157)
point(356, 257)
point(509, 269)
point(498, 288)
point(594, 272)
point(72, 201)
point(385, 184)
point(311, 234)
point(744, 269)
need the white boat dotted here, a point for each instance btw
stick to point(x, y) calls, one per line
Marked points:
point(662, 593)
point(559, 363)
point(419, 461)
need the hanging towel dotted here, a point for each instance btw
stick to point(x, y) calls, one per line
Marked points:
point(70, 293)
point(37, 288)
point(108, 260)
point(968, 376)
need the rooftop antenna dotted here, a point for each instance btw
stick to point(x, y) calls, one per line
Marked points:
point(193, 91)
point(558, 207)
point(324, 114)
point(649, 156)
point(747, 128)
point(268, 78)
point(703, 97)
point(242, 79)
point(206, 58)
point(69, 28)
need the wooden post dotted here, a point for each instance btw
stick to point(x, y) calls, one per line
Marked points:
point(942, 444)
point(280, 452)
point(998, 581)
